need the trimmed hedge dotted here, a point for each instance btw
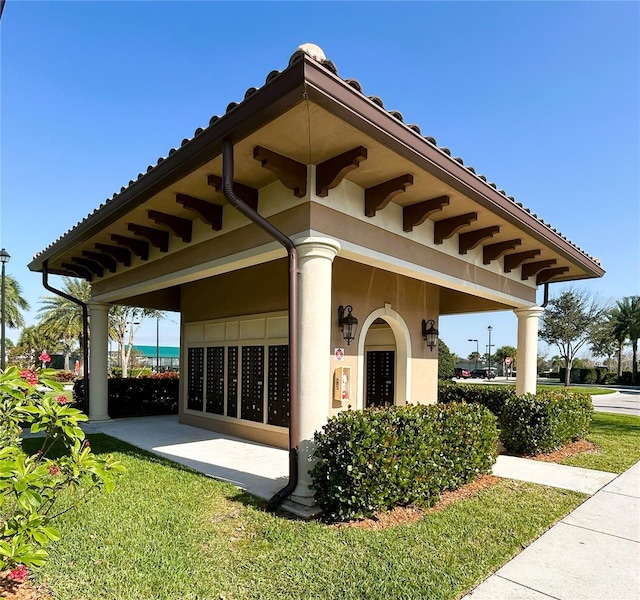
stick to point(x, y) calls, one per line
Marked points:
point(375, 459)
point(493, 397)
point(133, 397)
point(532, 424)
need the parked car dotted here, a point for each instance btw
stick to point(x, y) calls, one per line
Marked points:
point(462, 373)
point(483, 374)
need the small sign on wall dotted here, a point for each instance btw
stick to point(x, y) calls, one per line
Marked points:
point(338, 354)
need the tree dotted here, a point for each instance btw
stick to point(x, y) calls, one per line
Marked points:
point(124, 323)
point(32, 342)
point(502, 353)
point(62, 319)
point(568, 322)
point(475, 357)
point(446, 361)
point(14, 303)
point(627, 324)
point(604, 342)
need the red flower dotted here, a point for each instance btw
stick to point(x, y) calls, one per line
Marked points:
point(30, 376)
point(19, 574)
point(44, 357)
point(53, 470)
point(61, 399)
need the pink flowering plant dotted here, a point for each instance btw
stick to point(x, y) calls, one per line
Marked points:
point(35, 489)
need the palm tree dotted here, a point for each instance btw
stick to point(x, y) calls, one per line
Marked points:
point(62, 319)
point(14, 303)
point(627, 325)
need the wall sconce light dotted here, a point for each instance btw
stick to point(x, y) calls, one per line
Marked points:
point(348, 324)
point(430, 333)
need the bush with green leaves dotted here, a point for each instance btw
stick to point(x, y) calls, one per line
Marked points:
point(373, 460)
point(35, 489)
point(532, 424)
point(493, 397)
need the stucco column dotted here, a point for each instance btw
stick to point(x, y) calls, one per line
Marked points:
point(527, 349)
point(98, 347)
point(315, 258)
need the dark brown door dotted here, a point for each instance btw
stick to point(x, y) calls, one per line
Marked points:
point(380, 377)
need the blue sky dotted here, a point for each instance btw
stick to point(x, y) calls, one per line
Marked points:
point(543, 98)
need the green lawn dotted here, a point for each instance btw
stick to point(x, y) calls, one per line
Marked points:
point(618, 441)
point(169, 533)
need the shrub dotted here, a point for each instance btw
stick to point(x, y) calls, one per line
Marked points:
point(588, 376)
point(166, 375)
point(493, 397)
point(626, 378)
point(531, 424)
point(32, 487)
point(379, 458)
point(62, 376)
point(609, 377)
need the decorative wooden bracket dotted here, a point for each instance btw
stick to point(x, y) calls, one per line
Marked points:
point(471, 239)
point(91, 265)
point(416, 214)
point(181, 227)
point(120, 254)
point(548, 274)
point(78, 270)
point(103, 259)
point(494, 251)
point(291, 173)
point(378, 196)
point(157, 237)
point(529, 269)
point(208, 212)
point(513, 261)
point(331, 172)
point(444, 229)
point(247, 194)
point(138, 247)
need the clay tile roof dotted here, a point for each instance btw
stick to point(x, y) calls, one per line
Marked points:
point(317, 54)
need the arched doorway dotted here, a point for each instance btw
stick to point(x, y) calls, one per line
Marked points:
point(379, 365)
point(384, 359)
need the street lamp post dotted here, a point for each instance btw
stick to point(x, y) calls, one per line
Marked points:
point(4, 259)
point(477, 350)
point(489, 353)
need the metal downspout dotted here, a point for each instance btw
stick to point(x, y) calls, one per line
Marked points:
point(546, 296)
point(275, 233)
point(85, 330)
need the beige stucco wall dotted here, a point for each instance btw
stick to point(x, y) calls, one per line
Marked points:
point(368, 290)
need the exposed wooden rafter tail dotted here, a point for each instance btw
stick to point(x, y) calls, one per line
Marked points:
point(378, 197)
point(492, 252)
point(91, 265)
point(547, 274)
point(529, 269)
point(446, 228)
point(207, 212)
point(471, 239)
point(108, 262)
point(416, 214)
point(157, 237)
point(78, 270)
point(139, 247)
point(513, 261)
point(291, 173)
point(122, 255)
point(331, 172)
point(178, 225)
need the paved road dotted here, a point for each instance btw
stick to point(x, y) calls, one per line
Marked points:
point(625, 402)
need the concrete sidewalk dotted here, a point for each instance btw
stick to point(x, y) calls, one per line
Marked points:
point(591, 554)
